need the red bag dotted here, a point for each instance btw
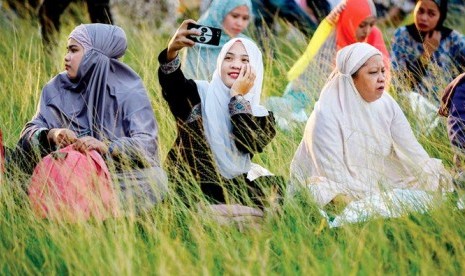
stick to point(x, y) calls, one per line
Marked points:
point(69, 185)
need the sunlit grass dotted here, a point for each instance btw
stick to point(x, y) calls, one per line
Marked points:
point(172, 239)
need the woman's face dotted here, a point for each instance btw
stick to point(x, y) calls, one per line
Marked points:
point(233, 61)
point(236, 21)
point(426, 15)
point(364, 29)
point(73, 58)
point(370, 79)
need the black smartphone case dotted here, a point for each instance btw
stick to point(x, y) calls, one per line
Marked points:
point(210, 35)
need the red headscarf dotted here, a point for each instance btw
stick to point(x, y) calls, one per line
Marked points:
point(355, 12)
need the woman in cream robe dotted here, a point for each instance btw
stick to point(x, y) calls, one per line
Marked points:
point(357, 148)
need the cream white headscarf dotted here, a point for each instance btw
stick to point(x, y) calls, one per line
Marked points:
point(215, 97)
point(356, 148)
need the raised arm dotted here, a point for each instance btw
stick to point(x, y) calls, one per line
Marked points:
point(181, 94)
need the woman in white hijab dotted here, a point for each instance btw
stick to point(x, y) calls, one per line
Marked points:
point(220, 123)
point(357, 142)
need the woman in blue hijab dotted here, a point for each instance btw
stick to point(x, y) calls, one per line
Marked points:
point(232, 17)
point(100, 103)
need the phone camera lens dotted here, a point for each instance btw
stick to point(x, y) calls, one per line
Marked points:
point(204, 30)
point(202, 39)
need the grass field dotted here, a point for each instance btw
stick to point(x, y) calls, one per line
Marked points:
point(174, 240)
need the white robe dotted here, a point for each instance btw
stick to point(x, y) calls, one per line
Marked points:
point(358, 149)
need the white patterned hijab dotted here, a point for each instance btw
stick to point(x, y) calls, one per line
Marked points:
point(215, 98)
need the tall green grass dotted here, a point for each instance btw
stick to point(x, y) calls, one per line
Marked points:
point(171, 239)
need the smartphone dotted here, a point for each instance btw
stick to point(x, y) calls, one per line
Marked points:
point(210, 35)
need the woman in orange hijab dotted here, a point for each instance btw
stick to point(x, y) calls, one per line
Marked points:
point(349, 22)
point(357, 24)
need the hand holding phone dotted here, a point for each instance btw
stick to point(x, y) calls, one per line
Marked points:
point(180, 39)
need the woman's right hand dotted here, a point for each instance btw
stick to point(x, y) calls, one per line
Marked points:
point(61, 137)
point(180, 39)
point(338, 204)
point(431, 42)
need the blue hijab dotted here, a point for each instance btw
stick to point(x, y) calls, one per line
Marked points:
point(200, 60)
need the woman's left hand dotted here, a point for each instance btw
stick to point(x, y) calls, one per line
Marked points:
point(244, 81)
point(88, 143)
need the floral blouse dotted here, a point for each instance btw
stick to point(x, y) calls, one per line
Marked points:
point(427, 78)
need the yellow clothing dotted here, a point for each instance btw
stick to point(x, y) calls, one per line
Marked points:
point(319, 37)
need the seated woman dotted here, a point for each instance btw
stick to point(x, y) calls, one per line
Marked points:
point(100, 103)
point(351, 21)
point(357, 142)
point(232, 17)
point(426, 49)
point(453, 108)
point(220, 124)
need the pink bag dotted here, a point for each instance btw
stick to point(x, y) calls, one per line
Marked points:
point(69, 185)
